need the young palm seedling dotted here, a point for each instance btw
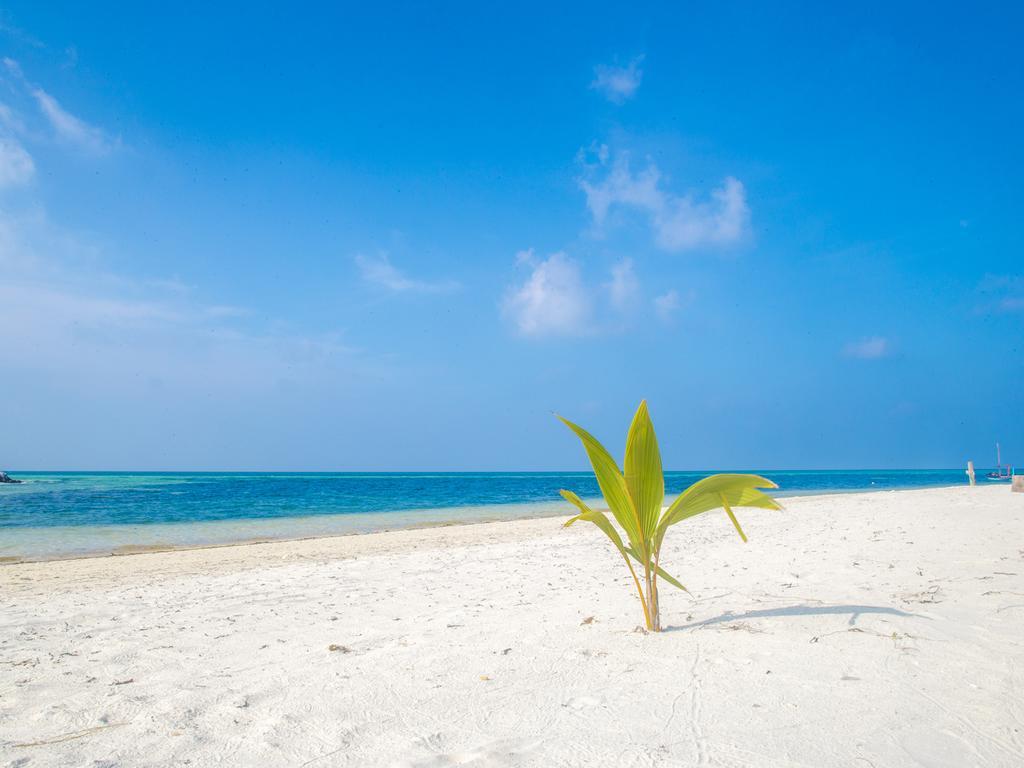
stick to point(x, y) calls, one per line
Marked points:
point(635, 497)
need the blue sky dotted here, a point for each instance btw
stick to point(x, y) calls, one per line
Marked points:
point(399, 238)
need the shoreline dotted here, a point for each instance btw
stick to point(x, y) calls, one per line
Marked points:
point(133, 550)
point(128, 550)
point(852, 629)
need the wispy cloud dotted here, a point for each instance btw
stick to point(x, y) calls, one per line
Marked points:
point(552, 301)
point(125, 333)
point(14, 68)
point(66, 127)
point(623, 288)
point(10, 119)
point(557, 299)
point(871, 348)
point(16, 166)
point(1002, 294)
point(70, 129)
point(667, 304)
point(618, 83)
point(17, 34)
point(226, 311)
point(678, 222)
point(108, 369)
point(378, 270)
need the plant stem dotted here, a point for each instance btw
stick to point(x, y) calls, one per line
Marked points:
point(652, 617)
point(656, 609)
point(639, 591)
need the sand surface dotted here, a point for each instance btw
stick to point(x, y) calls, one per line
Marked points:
point(882, 629)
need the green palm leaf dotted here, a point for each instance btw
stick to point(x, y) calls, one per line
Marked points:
point(611, 482)
point(644, 478)
point(716, 491)
point(661, 571)
point(593, 516)
point(601, 521)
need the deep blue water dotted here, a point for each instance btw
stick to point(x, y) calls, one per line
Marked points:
point(91, 499)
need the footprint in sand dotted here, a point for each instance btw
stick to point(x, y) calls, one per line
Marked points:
point(581, 702)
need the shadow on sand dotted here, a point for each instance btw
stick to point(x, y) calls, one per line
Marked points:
point(797, 610)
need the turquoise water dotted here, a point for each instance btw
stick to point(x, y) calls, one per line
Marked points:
point(71, 513)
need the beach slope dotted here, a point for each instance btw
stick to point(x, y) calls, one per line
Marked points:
point(872, 629)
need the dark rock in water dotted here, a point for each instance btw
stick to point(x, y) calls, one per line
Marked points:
point(5, 478)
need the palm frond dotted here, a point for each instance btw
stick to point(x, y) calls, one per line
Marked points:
point(601, 520)
point(610, 481)
point(713, 492)
point(644, 478)
point(660, 571)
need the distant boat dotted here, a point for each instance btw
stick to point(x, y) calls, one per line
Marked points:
point(1001, 472)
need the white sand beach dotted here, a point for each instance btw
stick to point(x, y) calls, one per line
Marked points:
point(881, 629)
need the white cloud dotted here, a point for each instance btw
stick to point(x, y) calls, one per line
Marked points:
point(623, 288)
point(1002, 293)
point(621, 187)
point(16, 166)
point(618, 83)
point(871, 348)
point(20, 35)
point(678, 222)
point(70, 129)
point(13, 67)
point(66, 321)
point(107, 370)
point(683, 224)
point(667, 304)
point(556, 299)
point(552, 301)
point(226, 311)
point(11, 120)
point(380, 271)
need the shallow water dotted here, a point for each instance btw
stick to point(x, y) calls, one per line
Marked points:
point(71, 513)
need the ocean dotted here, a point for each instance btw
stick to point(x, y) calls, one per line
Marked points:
point(70, 514)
